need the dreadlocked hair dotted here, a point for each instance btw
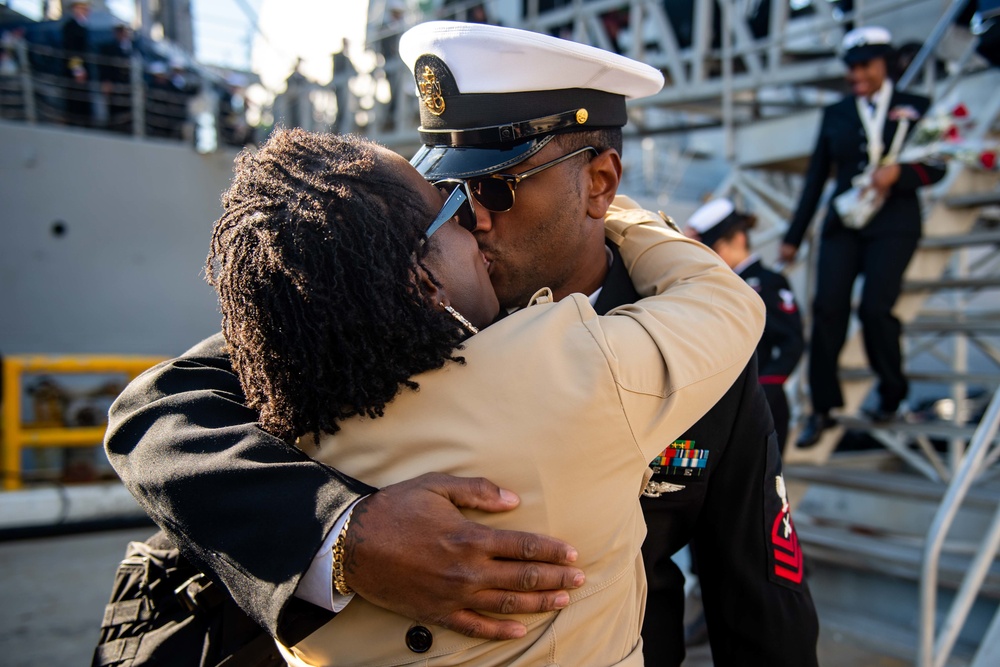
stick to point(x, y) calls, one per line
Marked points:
point(315, 262)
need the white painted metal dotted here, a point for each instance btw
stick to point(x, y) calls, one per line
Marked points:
point(126, 274)
point(934, 653)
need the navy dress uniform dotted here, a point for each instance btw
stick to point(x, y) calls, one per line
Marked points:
point(716, 486)
point(880, 250)
point(719, 485)
point(76, 45)
point(782, 342)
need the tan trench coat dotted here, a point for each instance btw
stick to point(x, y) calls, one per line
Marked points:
point(567, 409)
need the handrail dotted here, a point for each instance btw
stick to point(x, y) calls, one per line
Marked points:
point(929, 652)
point(14, 437)
point(118, 95)
point(946, 20)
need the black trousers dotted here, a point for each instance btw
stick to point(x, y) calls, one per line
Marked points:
point(663, 625)
point(843, 256)
point(778, 402)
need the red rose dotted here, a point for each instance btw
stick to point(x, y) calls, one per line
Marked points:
point(988, 159)
point(960, 111)
point(951, 134)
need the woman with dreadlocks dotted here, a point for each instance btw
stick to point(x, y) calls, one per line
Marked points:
point(351, 289)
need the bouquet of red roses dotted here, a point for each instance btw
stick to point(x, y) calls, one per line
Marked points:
point(945, 137)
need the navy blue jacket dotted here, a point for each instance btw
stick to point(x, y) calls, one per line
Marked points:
point(842, 151)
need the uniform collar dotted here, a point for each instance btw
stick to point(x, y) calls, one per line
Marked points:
point(617, 289)
point(597, 293)
point(746, 263)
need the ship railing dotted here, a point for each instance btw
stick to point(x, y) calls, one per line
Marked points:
point(50, 431)
point(127, 95)
point(938, 641)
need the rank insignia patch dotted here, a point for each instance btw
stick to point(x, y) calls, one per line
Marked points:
point(787, 551)
point(681, 459)
point(787, 301)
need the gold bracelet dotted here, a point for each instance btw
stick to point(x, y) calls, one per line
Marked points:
point(338, 561)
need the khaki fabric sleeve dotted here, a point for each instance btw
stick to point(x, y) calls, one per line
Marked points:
point(676, 351)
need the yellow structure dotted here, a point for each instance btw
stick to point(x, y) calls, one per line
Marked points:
point(14, 435)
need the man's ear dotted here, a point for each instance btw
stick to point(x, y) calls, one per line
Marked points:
point(605, 174)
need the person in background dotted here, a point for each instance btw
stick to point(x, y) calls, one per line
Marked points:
point(393, 22)
point(115, 74)
point(10, 40)
point(12, 102)
point(293, 108)
point(160, 120)
point(343, 72)
point(857, 138)
point(233, 127)
point(76, 44)
point(725, 230)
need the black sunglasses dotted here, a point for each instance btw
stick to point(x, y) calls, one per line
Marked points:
point(457, 205)
point(496, 191)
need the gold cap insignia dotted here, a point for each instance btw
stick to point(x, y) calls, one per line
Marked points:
point(430, 91)
point(581, 116)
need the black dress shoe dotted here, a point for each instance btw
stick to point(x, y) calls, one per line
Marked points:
point(815, 425)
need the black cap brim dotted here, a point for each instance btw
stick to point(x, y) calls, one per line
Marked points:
point(866, 53)
point(439, 162)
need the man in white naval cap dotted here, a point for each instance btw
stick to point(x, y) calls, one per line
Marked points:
point(537, 142)
point(726, 230)
point(530, 126)
point(871, 227)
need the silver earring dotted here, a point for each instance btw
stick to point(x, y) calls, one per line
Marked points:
point(464, 322)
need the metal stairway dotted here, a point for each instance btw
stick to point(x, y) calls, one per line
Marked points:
point(920, 526)
point(903, 546)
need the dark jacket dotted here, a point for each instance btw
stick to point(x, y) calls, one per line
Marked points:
point(75, 44)
point(115, 65)
point(841, 151)
point(782, 343)
point(756, 603)
point(180, 436)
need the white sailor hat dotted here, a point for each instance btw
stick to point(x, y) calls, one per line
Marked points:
point(863, 44)
point(490, 96)
point(712, 220)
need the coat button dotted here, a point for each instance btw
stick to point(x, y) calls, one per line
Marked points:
point(419, 639)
